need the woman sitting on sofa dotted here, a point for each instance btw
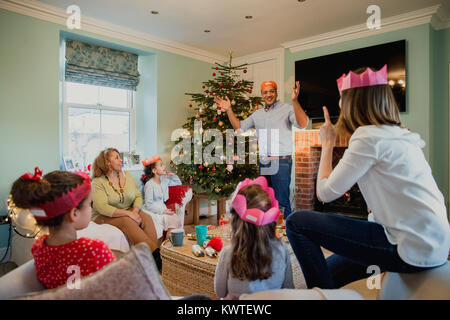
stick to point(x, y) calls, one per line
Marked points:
point(117, 201)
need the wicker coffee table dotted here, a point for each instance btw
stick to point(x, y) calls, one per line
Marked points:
point(184, 274)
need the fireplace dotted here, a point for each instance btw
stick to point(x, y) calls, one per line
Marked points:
point(307, 157)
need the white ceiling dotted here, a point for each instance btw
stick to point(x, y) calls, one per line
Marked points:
point(274, 22)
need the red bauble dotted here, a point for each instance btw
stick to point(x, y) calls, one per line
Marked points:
point(221, 73)
point(203, 87)
point(221, 85)
point(214, 74)
point(249, 91)
point(245, 70)
point(206, 91)
point(215, 118)
point(217, 68)
point(214, 169)
point(216, 243)
point(190, 106)
point(211, 93)
point(200, 167)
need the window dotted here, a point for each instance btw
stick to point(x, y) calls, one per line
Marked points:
point(95, 118)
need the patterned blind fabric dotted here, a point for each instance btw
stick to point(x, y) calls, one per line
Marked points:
point(91, 64)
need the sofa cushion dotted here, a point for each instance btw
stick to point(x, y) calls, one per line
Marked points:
point(304, 294)
point(433, 284)
point(133, 277)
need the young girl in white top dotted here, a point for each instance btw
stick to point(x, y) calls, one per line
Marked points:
point(407, 229)
point(157, 181)
point(256, 260)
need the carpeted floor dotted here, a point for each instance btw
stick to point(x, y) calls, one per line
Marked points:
point(7, 267)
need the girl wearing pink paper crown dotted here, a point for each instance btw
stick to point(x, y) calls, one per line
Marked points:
point(61, 201)
point(157, 180)
point(256, 260)
point(407, 230)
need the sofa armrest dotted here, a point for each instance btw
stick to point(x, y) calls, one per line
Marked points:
point(20, 281)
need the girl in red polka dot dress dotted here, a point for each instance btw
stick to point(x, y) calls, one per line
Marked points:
point(61, 201)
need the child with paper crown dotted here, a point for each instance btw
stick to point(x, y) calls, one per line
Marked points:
point(407, 230)
point(61, 201)
point(256, 260)
point(157, 180)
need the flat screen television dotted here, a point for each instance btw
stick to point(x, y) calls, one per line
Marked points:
point(318, 76)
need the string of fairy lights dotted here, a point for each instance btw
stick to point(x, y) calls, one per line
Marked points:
point(15, 214)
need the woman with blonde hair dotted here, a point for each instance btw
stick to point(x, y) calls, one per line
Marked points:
point(407, 230)
point(117, 200)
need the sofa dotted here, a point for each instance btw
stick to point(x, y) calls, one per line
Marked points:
point(433, 284)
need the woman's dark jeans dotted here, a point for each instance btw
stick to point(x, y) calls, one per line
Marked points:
point(356, 244)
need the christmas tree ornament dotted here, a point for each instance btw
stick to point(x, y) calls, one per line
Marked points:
point(214, 106)
point(214, 169)
point(245, 71)
point(233, 102)
point(220, 123)
point(214, 74)
point(219, 112)
point(215, 118)
point(221, 85)
point(230, 167)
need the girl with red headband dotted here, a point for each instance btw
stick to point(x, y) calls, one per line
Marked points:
point(263, 263)
point(61, 201)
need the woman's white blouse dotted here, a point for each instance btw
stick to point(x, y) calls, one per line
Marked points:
point(397, 183)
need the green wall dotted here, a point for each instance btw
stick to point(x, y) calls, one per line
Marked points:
point(30, 100)
point(427, 87)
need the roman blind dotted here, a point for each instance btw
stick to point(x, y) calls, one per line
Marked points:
point(92, 64)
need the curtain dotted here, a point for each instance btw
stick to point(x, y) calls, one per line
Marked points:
point(91, 64)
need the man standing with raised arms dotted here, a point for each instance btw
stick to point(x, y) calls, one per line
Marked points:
point(273, 126)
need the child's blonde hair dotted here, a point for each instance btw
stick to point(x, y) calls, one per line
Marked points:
point(251, 257)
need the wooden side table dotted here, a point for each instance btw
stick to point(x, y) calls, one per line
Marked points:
point(221, 206)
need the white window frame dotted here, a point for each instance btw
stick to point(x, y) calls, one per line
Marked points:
point(65, 117)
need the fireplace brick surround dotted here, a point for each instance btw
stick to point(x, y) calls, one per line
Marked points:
point(308, 148)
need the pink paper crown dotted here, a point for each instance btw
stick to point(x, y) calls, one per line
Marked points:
point(149, 161)
point(254, 215)
point(366, 79)
point(65, 203)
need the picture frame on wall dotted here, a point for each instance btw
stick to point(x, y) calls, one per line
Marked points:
point(69, 164)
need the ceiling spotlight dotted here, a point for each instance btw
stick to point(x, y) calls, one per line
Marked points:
point(154, 12)
point(248, 17)
point(301, 0)
point(207, 31)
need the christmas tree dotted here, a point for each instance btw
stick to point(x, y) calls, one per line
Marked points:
point(209, 129)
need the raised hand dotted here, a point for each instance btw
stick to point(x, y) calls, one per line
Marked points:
point(223, 105)
point(296, 90)
point(327, 131)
